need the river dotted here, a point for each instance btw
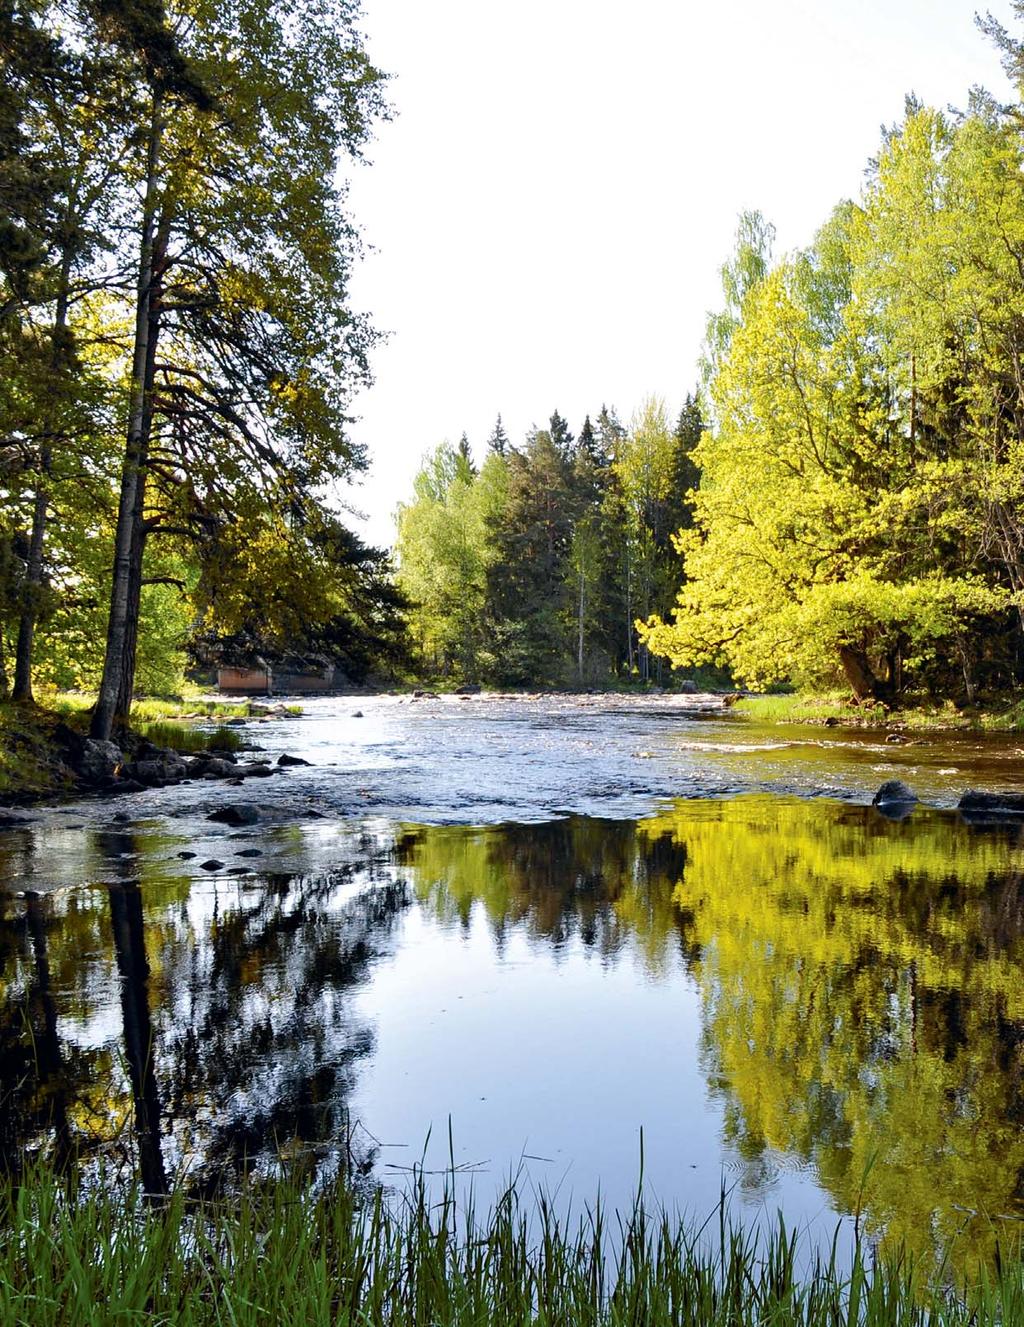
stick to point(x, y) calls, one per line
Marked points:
point(536, 936)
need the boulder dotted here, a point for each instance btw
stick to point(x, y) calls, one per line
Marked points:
point(473, 689)
point(291, 760)
point(167, 767)
point(250, 852)
point(211, 865)
point(235, 813)
point(357, 714)
point(258, 771)
point(894, 792)
point(976, 805)
point(689, 687)
point(206, 767)
point(97, 760)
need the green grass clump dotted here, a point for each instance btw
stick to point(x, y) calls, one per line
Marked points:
point(287, 1254)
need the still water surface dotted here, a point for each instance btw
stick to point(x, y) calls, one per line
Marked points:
point(648, 918)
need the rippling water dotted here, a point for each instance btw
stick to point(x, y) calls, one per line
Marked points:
point(527, 931)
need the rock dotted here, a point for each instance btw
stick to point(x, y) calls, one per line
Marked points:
point(357, 714)
point(235, 723)
point(895, 739)
point(235, 813)
point(976, 805)
point(211, 865)
point(205, 767)
point(894, 792)
point(186, 856)
point(258, 771)
point(239, 870)
point(250, 852)
point(895, 800)
point(125, 786)
point(689, 687)
point(291, 760)
point(473, 689)
point(831, 721)
point(97, 760)
point(167, 767)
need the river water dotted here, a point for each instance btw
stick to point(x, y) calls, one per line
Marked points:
point(533, 937)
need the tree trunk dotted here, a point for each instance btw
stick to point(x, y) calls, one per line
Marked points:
point(860, 675)
point(126, 542)
point(34, 566)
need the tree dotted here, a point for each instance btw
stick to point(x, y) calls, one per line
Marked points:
point(245, 350)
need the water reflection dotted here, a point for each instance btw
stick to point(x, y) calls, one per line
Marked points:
point(854, 988)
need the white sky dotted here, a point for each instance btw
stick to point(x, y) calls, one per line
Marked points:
point(550, 206)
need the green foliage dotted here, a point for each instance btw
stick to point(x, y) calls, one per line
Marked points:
point(859, 511)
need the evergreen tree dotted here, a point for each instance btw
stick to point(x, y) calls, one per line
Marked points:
point(498, 441)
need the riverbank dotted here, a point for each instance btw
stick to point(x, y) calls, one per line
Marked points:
point(837, 709)
point(45, 750)
point(290, 1254)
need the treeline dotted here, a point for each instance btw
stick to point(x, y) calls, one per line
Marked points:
point(535, 568)
point(861, 508)
point(178, 349)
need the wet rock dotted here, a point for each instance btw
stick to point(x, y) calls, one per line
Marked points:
point(895, 800)
point(167, 767)
point(689, 687)
point(471, 690)
point(186, 856)
point(207, 767)
point(239, 870)
point(124, 786)
point(291, 760)
point(976, 805)
point(236, 723)
point(831, 722)
point(894, 792)
point(895, 739)
point(357, 714)
point(211, 865)
point(235, 813)
point(97, 760)
point(258, 771)
point(250, 852)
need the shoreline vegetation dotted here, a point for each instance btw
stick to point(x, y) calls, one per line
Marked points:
point(340, 1254)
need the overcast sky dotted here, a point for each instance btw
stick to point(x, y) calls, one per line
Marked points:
point(548, 210)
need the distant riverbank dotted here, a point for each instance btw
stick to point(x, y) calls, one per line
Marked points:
point(837, 709)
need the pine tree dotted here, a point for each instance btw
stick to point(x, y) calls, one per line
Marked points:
point(498, 441)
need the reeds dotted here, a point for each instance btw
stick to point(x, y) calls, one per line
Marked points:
point(281, 1253)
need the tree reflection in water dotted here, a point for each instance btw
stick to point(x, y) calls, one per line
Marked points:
point(859, 981)
point(235, 1038)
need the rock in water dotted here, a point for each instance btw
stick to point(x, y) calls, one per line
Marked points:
point(291, 760)
point(894, 793)
point(689, 687)
point(235, 813)
point(982, 806)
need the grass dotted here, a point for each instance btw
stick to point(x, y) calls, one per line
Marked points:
point(1004, 717)
point(287, 1254)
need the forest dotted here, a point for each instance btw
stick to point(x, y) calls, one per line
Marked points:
point(179, 351)
point(841, 503)
point(838, 502)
